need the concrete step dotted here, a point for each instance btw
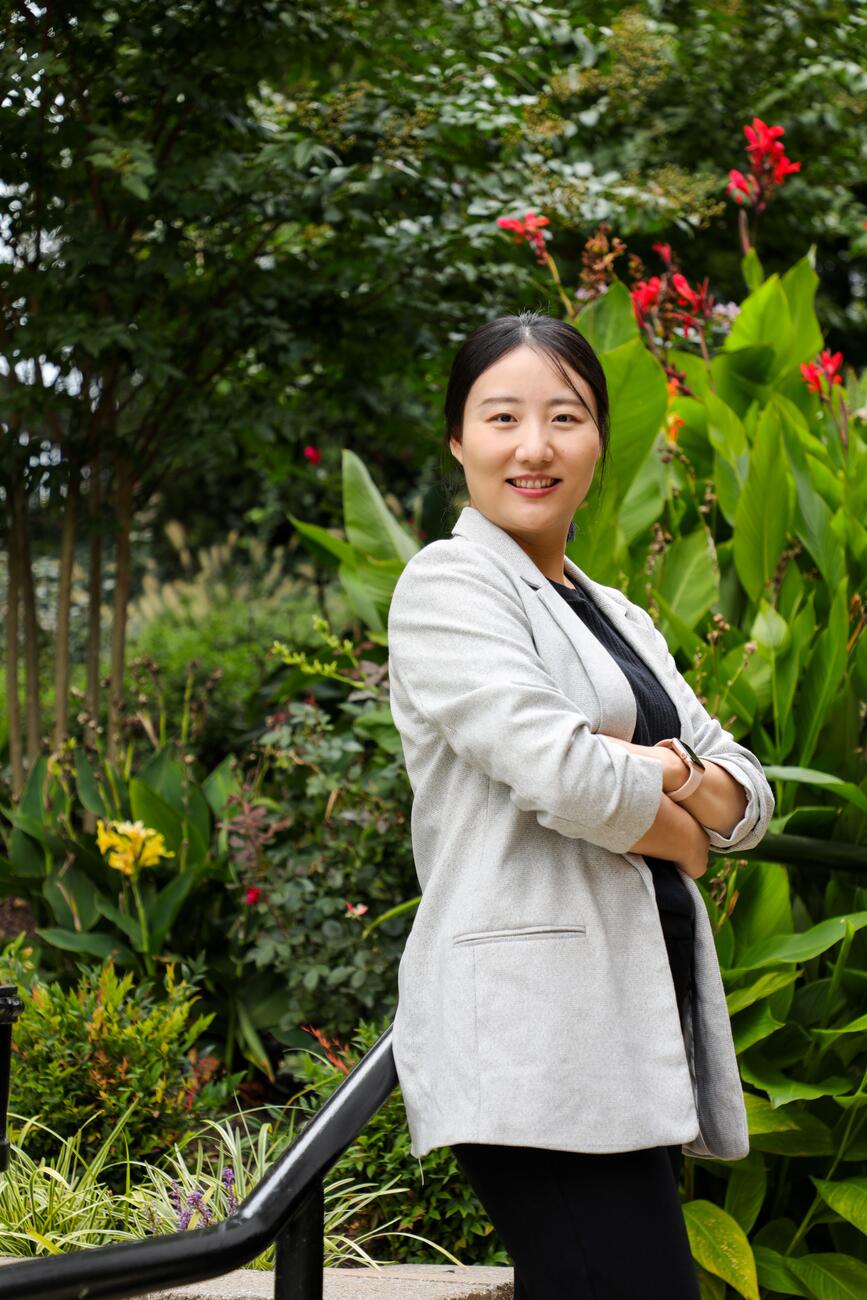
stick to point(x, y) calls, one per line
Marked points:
point(387, 1282)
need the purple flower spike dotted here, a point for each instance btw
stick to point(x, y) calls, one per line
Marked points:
point(229, 1184)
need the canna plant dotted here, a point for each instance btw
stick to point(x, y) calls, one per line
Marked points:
point(734, 510)
point(156, 882)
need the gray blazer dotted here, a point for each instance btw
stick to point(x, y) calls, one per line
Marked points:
point(535, 1000)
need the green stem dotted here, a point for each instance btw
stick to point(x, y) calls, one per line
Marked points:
point(841, 1150)
point(143, 922)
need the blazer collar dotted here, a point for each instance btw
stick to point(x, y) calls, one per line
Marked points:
point(477, 527)
point(620, 717)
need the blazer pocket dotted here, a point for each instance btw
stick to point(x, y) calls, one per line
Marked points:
point(521, 932)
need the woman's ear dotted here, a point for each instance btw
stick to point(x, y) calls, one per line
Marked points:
point(456, 449)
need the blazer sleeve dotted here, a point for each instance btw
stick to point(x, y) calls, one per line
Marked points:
point(714, 742)
point(461, 653)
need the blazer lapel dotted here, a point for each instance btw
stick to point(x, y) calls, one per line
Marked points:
point(614, 695)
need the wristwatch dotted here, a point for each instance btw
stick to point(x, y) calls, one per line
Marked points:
point(693, 762)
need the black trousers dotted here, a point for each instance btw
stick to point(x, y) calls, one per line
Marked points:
point(589, 1226)
point(586, 1226)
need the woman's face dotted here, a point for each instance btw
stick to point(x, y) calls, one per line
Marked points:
point(521, 421)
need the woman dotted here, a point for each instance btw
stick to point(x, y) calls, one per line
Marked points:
point(561, 1021)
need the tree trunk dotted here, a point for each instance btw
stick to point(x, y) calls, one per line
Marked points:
point(94, 614)
point(124, 513)
point(94, 588)
point(21, 524)
point(13, 701)
point(64, 601)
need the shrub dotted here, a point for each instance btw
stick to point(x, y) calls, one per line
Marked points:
point(94, 1048)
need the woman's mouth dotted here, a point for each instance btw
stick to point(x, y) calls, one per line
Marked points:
point(533, 487)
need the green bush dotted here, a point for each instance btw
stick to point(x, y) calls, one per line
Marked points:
point(92, 1049)
point(341, 860)
point(437, 1199)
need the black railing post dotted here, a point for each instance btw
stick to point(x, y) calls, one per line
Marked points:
point(11, 1007)
point(299, 1259)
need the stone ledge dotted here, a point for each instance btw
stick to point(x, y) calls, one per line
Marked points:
point(388, 1282)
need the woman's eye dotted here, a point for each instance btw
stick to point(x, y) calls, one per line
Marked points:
point(507, 416)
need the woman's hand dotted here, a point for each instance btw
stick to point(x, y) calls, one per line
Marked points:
point(693, 846)
point(675, 833)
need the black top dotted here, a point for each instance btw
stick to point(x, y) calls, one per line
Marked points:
point(655, 718)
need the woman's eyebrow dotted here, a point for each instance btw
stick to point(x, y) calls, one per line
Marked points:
point(554, 401)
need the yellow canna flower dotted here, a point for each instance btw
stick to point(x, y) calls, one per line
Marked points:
point(129, 846)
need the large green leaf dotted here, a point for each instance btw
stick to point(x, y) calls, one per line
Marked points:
point(86, 786)
point(369, 588)
point(151, 809)
point(123, 920)
point(609, 320)
point(28, 860)
point(221, 783)
point(775, 1274)
point(848, 1199)
point(720, 1245)
point(812, 518)
point(751, 269)
point(758, 1070)
point(742, 377)
point(764, 320)
point(799, 285)
point(73, 897)
point(370, 526)
point(163, 910)
point(690, 577)
point(763, 987)
point(763, 511)
point(809, 776)
point(322, 544)
point(644, 500)
point(97, 944)
point(793, 949)
point(824, 675)
point(638, 398)
point(831, 1276)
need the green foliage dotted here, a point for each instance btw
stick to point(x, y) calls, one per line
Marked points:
point(219, 619)
point(343, 853)
point(436, 1196)
point(65, 1201)
point(82, 1055)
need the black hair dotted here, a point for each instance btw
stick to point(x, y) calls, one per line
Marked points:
point(494, 339)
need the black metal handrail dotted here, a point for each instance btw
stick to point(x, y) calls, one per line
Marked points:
point(287, 1206)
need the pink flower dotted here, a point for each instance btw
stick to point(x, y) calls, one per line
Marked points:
point(313, 455)
point(664, 251)
point(356, 909)
point(252, 895)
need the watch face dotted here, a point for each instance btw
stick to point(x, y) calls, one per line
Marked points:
point(693, 755)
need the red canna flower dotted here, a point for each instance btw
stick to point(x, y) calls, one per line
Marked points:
point(699, 301)
point(743, 189)
point(530, 228)
point(664, 251)
point(252, 895)
point(769, 166)
point(831, 363)
point(313, 455)
point(817, 374)
point(812, 375)
point(644, 296)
